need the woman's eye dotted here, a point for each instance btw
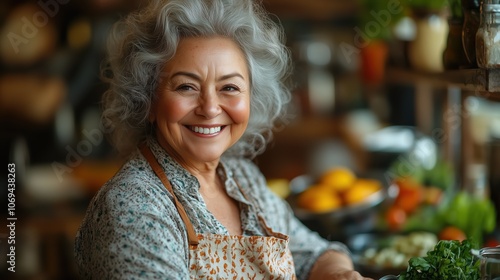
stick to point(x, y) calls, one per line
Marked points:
point(185, 88)
point(229, 88)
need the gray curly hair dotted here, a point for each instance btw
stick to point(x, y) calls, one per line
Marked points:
point(141, 43)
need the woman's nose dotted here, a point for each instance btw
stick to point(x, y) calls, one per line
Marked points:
point(209, 104)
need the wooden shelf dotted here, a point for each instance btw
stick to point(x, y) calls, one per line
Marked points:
point(485, 83)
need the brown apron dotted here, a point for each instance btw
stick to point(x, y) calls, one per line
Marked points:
point(217, 256)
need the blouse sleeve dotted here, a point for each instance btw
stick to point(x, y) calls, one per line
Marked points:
point(129, 233)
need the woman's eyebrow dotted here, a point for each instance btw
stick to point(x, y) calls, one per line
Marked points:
point(198, 78)
point(228, 76)
point(189, 74)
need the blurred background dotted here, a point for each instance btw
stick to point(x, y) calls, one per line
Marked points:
point(379, 86)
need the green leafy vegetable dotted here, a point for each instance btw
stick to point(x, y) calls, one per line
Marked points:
point(475, 216)
point(450, 259)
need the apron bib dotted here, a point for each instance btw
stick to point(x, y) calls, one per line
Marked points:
point(217, 256)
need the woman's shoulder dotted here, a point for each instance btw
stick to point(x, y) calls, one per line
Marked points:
point(131, 215)
point(133, 185)
point(129, 200)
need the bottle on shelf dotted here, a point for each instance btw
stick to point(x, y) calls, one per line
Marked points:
point(487, 39)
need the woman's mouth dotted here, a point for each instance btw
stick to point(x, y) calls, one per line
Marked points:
point(206, 130)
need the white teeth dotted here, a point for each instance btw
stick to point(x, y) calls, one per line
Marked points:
point(205, 130)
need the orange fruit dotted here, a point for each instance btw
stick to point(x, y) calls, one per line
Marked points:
point(395, 217)
point(338, 178)
point(452, 233)
point(361, 190)
point(319, 198)
point(411, 195)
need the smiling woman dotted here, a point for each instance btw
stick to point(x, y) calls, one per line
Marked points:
point(203, 104)
point(195, 90)
point(141, 44)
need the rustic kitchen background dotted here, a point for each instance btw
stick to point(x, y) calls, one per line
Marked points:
point(377, 83)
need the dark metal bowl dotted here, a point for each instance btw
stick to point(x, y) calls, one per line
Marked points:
point(358, 243)
point(343, 222)
point(389, 277)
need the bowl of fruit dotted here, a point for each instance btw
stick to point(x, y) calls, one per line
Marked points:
point(338, 203)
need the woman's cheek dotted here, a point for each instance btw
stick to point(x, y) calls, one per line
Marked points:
point(240, 109)
point(174, 109)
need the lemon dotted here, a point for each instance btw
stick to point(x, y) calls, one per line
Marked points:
point(361, 190)
point(319, 198)
point(339, 178)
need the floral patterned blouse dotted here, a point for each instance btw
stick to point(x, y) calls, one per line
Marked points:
point(132, 229)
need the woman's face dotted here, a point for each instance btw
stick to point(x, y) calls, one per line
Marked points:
point(203, 103)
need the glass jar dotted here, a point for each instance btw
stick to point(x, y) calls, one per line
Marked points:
point(489, 258)
point(488, 37)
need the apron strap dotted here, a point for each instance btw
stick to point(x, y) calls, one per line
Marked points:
point(146, 152)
